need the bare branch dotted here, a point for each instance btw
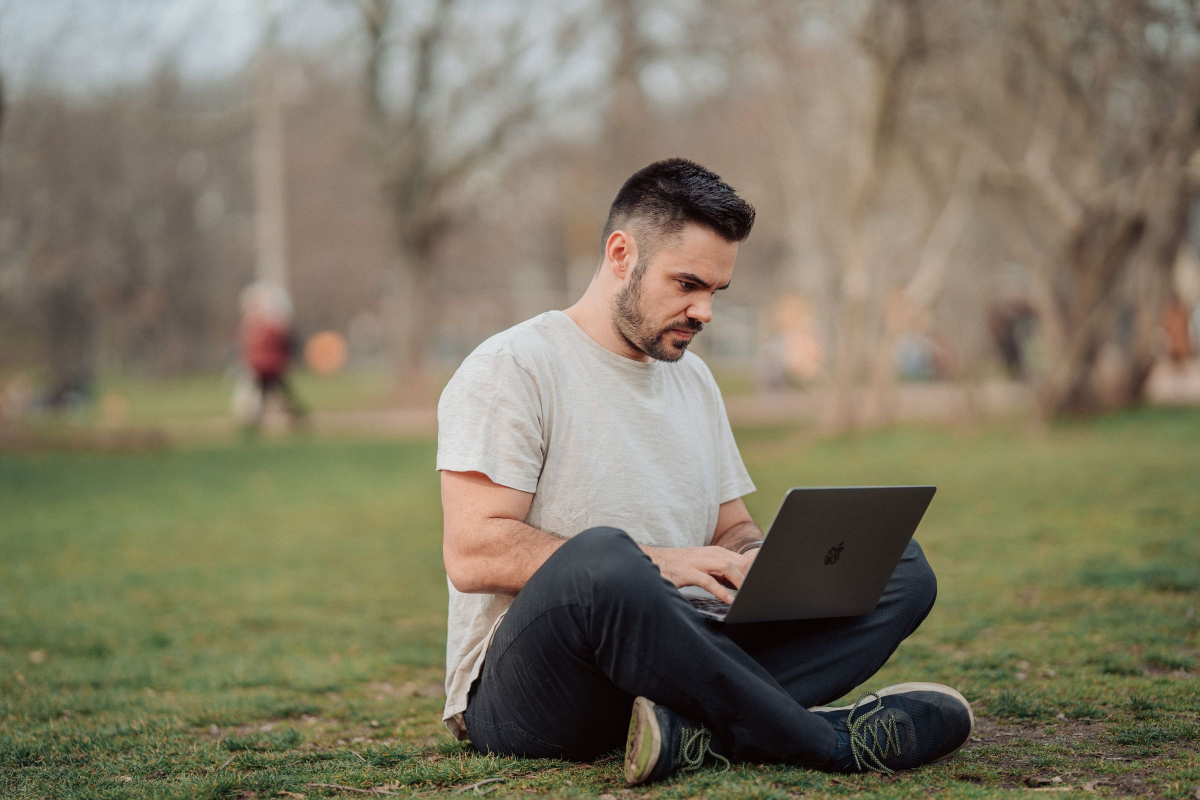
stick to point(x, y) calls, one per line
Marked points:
point(929, 278)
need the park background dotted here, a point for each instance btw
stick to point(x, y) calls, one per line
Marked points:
point(976, 264)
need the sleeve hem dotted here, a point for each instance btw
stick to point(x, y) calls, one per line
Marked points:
point(738, 490)
point(510, 480)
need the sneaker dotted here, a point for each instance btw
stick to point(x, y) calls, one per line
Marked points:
point(661, 742)
point(908, 725)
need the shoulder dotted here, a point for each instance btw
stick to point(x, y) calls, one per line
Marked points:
point(510, 356)
point(523, 343)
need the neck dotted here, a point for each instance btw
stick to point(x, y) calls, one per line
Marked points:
point(593, 313)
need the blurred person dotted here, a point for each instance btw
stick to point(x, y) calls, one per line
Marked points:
point(19, 399)
point(267, 344)
point(1194, 326)
point(799, 343)
point(1012, 324)
point(913, 357)
point(1175, 324)
point(588, 471)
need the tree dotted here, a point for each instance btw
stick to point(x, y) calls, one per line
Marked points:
point(1074, 121)
point(117, 244)
point(873, 190)
point(1106, 96)
point(446, 94)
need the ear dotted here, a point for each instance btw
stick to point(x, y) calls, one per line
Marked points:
point(620, 253)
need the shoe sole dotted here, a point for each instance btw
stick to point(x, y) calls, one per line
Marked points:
point(901, 688)
point(642, 724)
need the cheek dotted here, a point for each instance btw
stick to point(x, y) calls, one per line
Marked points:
point(662, 307)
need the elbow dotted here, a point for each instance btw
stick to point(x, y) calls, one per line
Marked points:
point(462, 579)
point(460, 574)
point(461, 570)
point(472, 566)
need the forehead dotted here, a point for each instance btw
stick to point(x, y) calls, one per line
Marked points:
point(697, 250)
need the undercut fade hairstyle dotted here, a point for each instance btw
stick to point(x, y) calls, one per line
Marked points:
point(659, 200)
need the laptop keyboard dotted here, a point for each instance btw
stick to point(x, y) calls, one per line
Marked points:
point(710, 604)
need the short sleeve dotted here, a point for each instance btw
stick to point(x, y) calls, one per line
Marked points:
point(490, 421)
point(735, 480)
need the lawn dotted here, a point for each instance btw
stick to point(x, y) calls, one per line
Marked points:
point(249, 619)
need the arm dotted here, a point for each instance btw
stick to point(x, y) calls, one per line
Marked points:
point(486, 544)
point(488, 548)
point(735, 530)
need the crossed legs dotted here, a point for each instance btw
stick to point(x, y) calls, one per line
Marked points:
point(598, 625)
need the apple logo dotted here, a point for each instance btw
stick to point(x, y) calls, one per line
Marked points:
point(834, 554)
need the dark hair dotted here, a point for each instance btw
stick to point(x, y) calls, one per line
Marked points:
point(660, 199)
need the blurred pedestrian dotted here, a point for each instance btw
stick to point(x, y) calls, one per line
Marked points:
point(1012, 324)
point(1175, 323)
point(267, 342)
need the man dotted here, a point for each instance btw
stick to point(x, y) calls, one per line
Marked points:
point(588, 470)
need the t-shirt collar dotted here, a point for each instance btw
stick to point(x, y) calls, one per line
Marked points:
point(600, 350)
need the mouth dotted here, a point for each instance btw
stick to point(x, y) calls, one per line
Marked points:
point(683, 334)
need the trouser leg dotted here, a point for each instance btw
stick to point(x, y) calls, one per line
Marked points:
point(598, 625)
point(297, 411)
point(818, 661)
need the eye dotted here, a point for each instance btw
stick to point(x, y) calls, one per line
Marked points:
point(687, 286)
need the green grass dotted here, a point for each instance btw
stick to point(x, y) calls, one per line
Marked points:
point(207, 396)
point(150, 402)
point(240, 620)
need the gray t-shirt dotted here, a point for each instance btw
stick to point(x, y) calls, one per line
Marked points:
point(598, 439)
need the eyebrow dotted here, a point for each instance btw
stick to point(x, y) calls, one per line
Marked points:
point(696, 279)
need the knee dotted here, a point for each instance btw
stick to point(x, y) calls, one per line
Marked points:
point(607, 559)
point(600, 542)
point(919, 580)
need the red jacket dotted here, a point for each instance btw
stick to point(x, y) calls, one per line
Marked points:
point(266, 346)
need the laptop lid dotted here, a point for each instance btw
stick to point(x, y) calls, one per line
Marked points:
point(830, 552)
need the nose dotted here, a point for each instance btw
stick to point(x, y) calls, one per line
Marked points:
point(701, 310)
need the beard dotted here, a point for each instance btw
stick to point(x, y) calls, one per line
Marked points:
point(629, 319)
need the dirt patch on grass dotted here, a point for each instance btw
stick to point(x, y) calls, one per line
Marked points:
point(82, 440)
point(1064, 755)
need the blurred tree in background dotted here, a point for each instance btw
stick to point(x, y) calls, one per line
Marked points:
point(926, 171)
point(465, 91)
point(115, 232)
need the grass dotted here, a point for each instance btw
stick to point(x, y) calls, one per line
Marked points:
point(207, 396)
point(141, 402)
point(234, 620)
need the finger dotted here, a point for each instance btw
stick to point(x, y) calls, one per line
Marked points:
point(730, 567)
point(711, 584)
point(733, 574)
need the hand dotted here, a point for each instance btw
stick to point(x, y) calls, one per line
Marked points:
point(710, 568)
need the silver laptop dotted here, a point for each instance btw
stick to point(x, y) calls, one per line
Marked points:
point(829, 553)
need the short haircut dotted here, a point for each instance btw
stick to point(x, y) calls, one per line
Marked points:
point(658, 200)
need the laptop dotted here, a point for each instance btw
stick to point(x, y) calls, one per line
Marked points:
point(830, 552)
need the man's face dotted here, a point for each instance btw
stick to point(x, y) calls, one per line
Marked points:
point(665, 303)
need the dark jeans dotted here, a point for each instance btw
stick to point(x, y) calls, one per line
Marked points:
point(597, 625)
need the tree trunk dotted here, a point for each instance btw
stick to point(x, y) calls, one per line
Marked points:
point(1087, 299)
point(414, 326)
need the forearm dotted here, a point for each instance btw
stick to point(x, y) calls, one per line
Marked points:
point(658, 555)
point(739, 536)
point(499, 557)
